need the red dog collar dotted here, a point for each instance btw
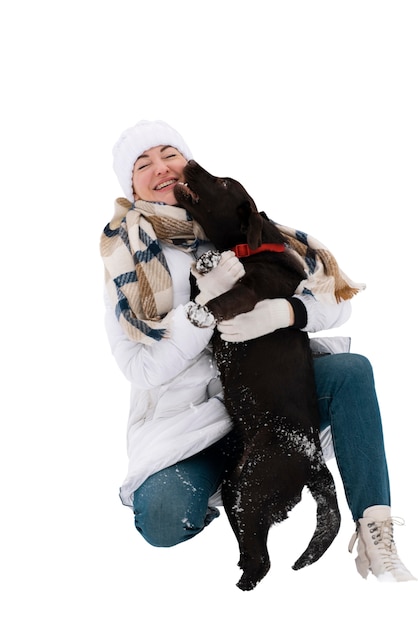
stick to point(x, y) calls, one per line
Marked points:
point(243, 249)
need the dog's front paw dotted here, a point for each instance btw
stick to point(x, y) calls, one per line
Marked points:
point(208, 261)
point(199, 315)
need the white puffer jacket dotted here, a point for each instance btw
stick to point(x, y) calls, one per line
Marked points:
point(176, 406)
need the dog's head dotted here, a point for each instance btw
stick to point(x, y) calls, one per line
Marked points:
point(222, 206)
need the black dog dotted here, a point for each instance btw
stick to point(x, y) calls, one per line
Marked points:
point(268, 382)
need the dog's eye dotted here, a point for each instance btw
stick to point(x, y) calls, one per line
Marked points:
point(224, 183)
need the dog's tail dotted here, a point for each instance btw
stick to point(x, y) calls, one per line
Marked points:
point(328, 518)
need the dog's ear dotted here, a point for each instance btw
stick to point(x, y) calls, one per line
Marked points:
point(255, 227)
point(251, 223)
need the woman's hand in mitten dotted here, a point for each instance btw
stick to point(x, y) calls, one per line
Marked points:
point(220, 279)
point(266, 317)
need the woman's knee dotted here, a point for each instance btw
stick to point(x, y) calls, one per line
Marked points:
point(166, 516)
point(344, 368)
point(358, 372)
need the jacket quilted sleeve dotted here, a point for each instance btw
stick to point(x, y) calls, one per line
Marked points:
point(322, 314)
point(149, 366)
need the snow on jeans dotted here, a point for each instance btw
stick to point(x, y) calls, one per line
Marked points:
point(171, 506)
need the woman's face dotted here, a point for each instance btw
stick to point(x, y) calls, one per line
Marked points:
point(155, 174)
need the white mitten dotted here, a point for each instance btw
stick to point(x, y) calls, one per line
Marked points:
point(220, 279)
point(199, 315)
point(266, 317)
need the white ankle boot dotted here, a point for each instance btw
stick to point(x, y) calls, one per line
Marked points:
point(376, 547)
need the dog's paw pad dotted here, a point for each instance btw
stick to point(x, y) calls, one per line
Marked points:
point(208, 261)
point(199, 315)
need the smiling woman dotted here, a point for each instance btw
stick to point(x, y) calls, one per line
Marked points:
point(178, 444)
point(129, 152)
point(155, 174)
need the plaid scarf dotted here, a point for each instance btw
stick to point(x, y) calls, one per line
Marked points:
point(325, 279)
point(136, 272)
point(138, 279)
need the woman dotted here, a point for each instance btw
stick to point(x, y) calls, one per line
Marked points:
point(178, 426)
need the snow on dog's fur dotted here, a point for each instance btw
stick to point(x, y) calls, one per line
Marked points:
point(268, 382)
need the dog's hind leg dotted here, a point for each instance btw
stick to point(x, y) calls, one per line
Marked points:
point(254, 558)
point(328, 517)
point(250, 526)
point(254, 570)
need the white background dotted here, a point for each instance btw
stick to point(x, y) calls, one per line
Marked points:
point(312, 105)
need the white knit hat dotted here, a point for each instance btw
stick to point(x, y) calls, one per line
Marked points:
point(135, 140)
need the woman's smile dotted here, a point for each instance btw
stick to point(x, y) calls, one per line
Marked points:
point(155, 174)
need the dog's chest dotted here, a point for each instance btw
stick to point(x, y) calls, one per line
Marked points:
point(268, 376)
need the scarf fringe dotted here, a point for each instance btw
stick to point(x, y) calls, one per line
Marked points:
point(324, 273)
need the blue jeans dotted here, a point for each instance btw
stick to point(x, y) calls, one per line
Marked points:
point(347, 401)
point(171, 506)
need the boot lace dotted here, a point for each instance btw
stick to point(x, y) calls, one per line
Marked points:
point(382, 536)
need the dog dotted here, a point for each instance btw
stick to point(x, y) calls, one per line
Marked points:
point(268, 382)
